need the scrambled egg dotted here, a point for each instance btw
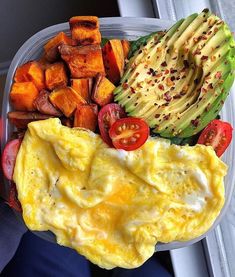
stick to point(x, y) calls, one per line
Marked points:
point(113, 206)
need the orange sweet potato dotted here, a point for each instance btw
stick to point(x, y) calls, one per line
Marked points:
point(85, 29)
point(31, 72)
point(55, 76)
point(66, 99)
point(83, 61)
point(113, 57)
point(86, 116)
point(126, 47)
point(22, 96)
point(21, 119)
point(102, 92)
point(83, 87)
point(51, 47)
point(43, 62)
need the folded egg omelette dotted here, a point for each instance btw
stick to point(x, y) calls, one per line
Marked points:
point(113, 206)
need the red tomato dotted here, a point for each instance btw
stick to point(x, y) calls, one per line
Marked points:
point(13, 201)
point(218, 134)
point(129, 133)
point(9, 157)
point(106, 117)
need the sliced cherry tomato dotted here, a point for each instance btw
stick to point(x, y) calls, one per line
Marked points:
point(129, 133)
point(13, 201)
point(218, 134)
point(106, 117)
point(9, 157)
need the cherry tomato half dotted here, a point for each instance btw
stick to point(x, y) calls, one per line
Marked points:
point(218, 134)
point(129, 133)
point(106, 117)
point(9, 157)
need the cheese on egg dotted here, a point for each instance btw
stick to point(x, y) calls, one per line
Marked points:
point(113, 206)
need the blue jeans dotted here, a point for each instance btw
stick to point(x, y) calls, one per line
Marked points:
point(38, 258)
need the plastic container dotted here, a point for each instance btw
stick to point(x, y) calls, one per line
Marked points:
point(129, 28)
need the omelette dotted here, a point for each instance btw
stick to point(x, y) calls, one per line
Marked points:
point(110, 205)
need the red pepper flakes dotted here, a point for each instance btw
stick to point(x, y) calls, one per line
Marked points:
point(195, 122)
point(167, 71)
point(167, 116)
point(125, 85)
point(218, 75)
point(167, 97)
point(161, 87)
point(164, 64)
point(132, 90)
point(204, 58)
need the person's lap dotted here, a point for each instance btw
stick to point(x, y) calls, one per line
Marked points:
point(36, 257)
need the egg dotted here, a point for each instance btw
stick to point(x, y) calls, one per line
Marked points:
point(113, 206)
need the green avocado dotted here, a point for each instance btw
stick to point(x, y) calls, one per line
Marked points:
point(178, 81)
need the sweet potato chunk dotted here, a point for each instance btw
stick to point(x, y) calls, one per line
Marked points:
point(31, 72)
point(66, 99)
point(83, 87)
point(51, 47)
point(85, 29)
point(44, 106)
point(86, 116)
point(44, 63)
point(126, 47)
point(83, 61)
point(113, 57)
point(22, 96)
point(55, 76)
point(102, 92)
point(21, 119)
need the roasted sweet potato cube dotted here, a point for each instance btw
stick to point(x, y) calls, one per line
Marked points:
point(43, 104)
point(83, 87)
point(113, 57)
point(67, 122)
point(102, 92)
point(21, 119)
point(56, 76)
point(83, 61)
point(43, 62)
point(85, 29)
point(51, 47)
point(86, 116)
point(126, 47)
point(31, 72)
point(22, 96)
point(66, 99)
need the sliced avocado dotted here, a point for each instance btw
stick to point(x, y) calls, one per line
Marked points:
point(179, 81)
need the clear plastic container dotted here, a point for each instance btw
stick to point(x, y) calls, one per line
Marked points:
point(129, 28)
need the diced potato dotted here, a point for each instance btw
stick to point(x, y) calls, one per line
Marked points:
point(86, 116)
point(51, 47)
point(22, 96)
point(85, 29)
point(67, 122)
point(44, 63)
point(55, 76)
point(83, 87)
point(66, 99)
point(126, 47)
point(113, 57)
point(83, 61)
point(43, 105)
point(103, 90)
point(21, 119)
point(31, 72)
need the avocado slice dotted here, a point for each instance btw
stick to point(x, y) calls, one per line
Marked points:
point(178, 81)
